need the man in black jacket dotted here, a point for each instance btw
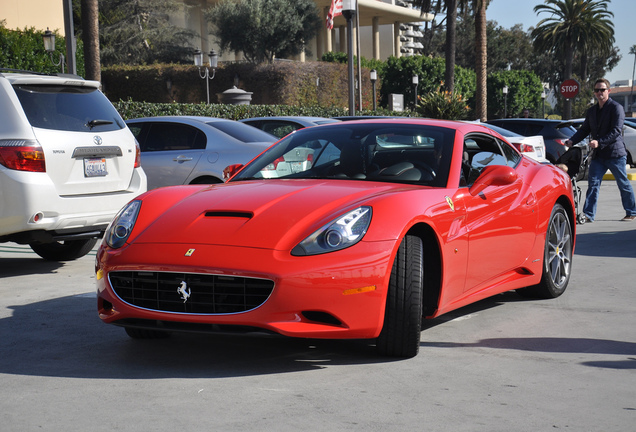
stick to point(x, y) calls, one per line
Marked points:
point(604, 122)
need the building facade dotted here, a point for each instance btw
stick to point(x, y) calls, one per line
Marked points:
point(387, 28)
point(41, 14)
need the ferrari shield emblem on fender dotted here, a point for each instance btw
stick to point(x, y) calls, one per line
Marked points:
point(450, 202)
point(189, 252)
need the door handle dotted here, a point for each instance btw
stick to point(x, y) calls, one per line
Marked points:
point(182, 159)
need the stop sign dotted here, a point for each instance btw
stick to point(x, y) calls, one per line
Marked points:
point(570, 88)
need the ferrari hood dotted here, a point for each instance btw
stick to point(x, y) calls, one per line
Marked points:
point(272, 214)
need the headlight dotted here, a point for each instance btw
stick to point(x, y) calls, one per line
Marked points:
point(121, 227)
point(345, 231)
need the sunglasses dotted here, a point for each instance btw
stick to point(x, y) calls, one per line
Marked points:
point(600, 90)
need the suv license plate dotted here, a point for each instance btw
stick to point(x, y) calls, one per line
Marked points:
point(95, 167)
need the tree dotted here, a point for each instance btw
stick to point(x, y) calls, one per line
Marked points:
point(264, 29)
point(450, 6)
point(481, 45)
point(524, 91)
point(24, 49)
point(139, 32)
point(481, 65)
point(90, 32)
point(573, 25)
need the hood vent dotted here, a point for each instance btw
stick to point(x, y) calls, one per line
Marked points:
point(229, 214)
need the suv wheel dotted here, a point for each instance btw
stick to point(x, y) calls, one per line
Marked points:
point(64, 251)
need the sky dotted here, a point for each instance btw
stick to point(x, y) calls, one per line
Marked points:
point(507, 13)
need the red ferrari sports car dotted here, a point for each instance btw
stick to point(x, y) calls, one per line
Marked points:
point(347, 230)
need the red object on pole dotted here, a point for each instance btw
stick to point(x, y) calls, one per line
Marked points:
point(570, 88)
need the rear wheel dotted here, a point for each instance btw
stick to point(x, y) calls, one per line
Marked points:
point(64, 250)
point(557, 257)
point(400, 336)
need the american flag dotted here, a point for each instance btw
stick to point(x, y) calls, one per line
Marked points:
point(334, 11)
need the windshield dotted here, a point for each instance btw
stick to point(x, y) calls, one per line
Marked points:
point(242, 132)
point(389, 152)
point(77, 109)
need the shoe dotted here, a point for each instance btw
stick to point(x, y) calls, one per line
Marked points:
point(584, 219)
point(628, 218)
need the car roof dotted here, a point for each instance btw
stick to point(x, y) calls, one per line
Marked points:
point(292, 118)
point(183, 119)
point(461, 126)
point(23, 77)
point(367, 117)
point(522, 119)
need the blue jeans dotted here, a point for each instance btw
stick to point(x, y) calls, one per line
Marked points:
point(598, 168)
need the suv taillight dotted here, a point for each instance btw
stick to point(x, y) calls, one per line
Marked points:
point(22, 155)
point(137, 155)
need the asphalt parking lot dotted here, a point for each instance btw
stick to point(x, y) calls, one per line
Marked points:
point(503, 364)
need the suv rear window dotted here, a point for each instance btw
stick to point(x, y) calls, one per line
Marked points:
point(68, 108)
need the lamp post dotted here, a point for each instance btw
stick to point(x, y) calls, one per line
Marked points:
point(204, 71)
point(374, 77)
point(49, 47)
point(348, 12)
point(543, 103)
point(505, 93)
point(415, 81)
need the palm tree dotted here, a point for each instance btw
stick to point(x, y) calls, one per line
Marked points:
point(479, 8)
point(481, 62)
point(90, 35)
point(573, 25)
point(450, 6)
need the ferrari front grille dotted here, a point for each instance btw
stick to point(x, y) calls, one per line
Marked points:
point(191, 293)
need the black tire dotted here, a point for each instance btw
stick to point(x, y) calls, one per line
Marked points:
point(138, 333)
point(64, 251)
point(557, 257)
point(400, 336)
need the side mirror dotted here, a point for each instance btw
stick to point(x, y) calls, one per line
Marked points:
point(230, 170)
point(493, 175)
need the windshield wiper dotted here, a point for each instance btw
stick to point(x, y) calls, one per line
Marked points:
point(91, 124)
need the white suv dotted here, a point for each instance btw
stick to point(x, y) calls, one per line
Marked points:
point(68, 163)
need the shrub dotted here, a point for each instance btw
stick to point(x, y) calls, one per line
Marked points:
point(442, 104)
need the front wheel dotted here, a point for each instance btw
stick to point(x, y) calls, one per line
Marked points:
point(400, 336)
point(64, 250)
point(557, 257)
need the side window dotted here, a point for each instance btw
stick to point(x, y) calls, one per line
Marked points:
point(512, 157)
point(481, 151)
point(173, 136)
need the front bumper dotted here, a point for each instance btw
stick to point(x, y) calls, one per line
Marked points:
point(339, 295)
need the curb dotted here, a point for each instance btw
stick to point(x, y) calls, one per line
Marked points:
point(631, 174)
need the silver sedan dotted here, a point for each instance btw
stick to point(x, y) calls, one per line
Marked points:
point(178, 150)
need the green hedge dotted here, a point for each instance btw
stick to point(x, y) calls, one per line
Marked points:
point(131, 109)
point(281, 83)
